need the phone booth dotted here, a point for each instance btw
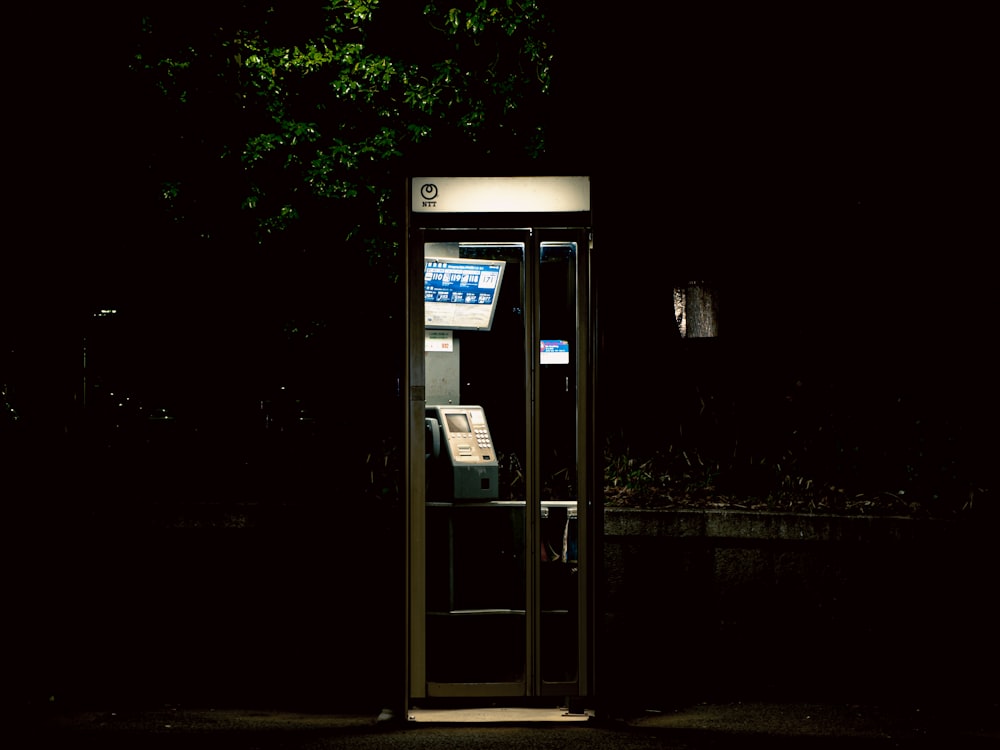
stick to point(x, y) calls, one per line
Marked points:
point(501, 467)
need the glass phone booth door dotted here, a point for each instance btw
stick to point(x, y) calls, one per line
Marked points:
point(499, 577)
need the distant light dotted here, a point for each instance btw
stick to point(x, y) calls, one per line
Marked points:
point(105, 313)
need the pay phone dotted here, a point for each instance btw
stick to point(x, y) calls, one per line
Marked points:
point(462, 460)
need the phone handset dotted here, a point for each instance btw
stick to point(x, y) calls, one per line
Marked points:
point(433, 427)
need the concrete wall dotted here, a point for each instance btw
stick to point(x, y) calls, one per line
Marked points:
point(725, 605)
point(214, 605)
point(303, 607)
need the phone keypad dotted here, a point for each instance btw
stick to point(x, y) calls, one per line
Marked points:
point(483, 437)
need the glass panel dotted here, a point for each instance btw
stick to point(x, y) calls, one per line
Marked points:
point(493, 367)
point(557, 409)
point(476, 597)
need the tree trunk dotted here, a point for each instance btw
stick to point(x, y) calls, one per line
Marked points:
point(696, 307)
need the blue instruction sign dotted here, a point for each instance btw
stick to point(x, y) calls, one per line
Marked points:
point(461, 293)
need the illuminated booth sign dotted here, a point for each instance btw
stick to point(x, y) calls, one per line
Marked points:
point(499, 194)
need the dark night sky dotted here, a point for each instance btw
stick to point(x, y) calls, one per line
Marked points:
point(720, 125)
point(838, 161)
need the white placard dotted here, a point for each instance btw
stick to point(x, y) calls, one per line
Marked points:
point(439, 341)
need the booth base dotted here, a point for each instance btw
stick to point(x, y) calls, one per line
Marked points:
point(495, 715)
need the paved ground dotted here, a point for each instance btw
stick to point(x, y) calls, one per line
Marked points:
point(738, 725)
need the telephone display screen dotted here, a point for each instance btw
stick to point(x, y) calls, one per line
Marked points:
point(458, 423)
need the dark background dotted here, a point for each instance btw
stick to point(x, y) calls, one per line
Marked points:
point(830, 174)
